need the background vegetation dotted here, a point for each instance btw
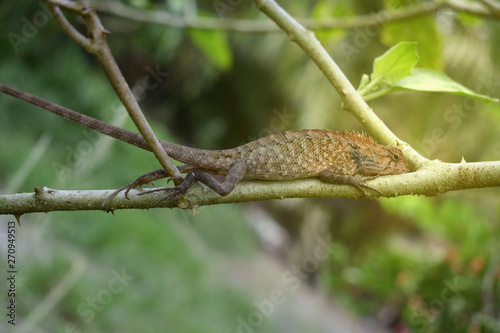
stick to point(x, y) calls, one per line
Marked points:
point(411, 264)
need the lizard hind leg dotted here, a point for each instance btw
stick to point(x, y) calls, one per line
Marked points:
point(233, 177)
point(147, 178)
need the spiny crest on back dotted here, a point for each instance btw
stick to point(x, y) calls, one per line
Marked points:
point(362, 137)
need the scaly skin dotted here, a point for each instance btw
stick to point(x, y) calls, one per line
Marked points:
point(334, 157)
point(298, 154)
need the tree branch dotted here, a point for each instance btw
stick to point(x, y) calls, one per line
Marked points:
point(478, 8)
point(97, 45)
point(431, 178)
point(434, 178)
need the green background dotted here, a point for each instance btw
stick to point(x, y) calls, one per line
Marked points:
point(411, 263)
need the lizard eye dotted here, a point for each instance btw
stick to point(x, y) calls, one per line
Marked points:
point(396, 156)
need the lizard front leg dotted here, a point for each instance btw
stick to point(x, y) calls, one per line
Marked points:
point(335, 175)
point(233, 177)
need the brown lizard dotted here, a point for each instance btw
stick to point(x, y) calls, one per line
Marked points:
point(333, 157)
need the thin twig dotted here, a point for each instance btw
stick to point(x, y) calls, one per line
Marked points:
point(252, 26)
point(97, 45)
point(166, 18)
point(492, 6)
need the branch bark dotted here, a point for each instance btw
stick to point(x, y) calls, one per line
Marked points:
point(434, 178)
point(430, 178)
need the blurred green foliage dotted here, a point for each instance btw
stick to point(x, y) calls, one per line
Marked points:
point(435, 261)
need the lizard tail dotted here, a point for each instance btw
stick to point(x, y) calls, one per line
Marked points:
point(192, 156)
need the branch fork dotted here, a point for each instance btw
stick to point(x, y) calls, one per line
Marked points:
point(95, 43)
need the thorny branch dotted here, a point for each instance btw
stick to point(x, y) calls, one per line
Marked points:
point(435, 178)
point(430, 178)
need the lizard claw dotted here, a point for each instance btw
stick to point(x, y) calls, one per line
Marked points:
point(359, 183)
point(175, 191)
point(168, 197)
point(363, 184)
point(330, 176)
point(145, 179)
point(182, 188)
point(360, 187)
point(116, 192)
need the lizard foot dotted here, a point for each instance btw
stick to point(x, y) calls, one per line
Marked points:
point(148, 178)
point(182, 188)
point(233, 176)
point(359, 183)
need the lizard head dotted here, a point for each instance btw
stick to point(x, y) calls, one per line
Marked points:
point(378, 160)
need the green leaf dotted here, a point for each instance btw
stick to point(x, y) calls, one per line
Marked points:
point(214, 45)
point(395, 64)
point(424, 79)
point(394, 70)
